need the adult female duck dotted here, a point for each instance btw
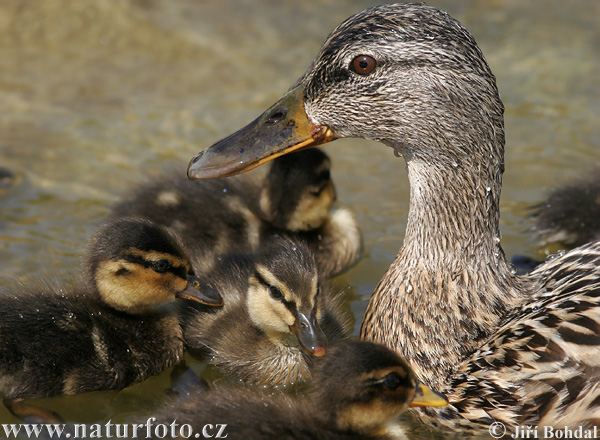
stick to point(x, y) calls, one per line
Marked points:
point(521, 350)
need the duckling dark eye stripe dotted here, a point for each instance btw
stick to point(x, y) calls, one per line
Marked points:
point(178, 271)
point(288, 304)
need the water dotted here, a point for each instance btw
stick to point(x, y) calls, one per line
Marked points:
point(96, 95)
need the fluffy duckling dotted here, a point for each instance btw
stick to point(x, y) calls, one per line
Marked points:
point(571, 214)
point(277, 313)
point(116, 328)
point(241, 214)
point(359, 388)
point(569, 217)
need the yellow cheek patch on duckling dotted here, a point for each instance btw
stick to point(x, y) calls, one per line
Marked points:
point(369, 418)
point(382, 407)
point(312, 211)
point(267, 313)
point(133, 288)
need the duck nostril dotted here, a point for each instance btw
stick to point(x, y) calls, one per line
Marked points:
point(277, 115)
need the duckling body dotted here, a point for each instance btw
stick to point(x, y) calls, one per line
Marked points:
point(358, 390)
point(116, 328)
point(518, 349)
point(277, 315)
point(571, 213)
point(237, 215)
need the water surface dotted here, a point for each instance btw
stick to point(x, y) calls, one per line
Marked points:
point(96, 95)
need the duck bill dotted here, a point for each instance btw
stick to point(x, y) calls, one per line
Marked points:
point(309, 334)
point(282, 129)
point(198, 291)
point(425, 396)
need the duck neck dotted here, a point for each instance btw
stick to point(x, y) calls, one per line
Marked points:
point(450, 284)
point(453, 219)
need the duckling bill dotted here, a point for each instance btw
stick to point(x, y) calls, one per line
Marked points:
point(114, 328)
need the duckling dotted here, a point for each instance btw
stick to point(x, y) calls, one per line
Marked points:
point(358, 389)
point(571, 214)
point(297, 196)
point(116, 327)
point(517, 349)
point(7, 177)
point(277, 316)
point(569, 217)
point(243, 213)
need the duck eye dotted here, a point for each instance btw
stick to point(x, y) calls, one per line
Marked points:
point(275, 292)
point(363, 64)
point(161, 266)
point(392, 381)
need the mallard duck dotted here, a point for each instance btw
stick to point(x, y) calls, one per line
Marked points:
point(277, 315)
point(243, 213)
point(571, 213)
point(521, 350)
point(358, 389)
point(116, 327)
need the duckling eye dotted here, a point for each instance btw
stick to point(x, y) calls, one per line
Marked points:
point(317, 191)
point(275, 292)
point(392, 381)
point(363, 64)
point(161, 266)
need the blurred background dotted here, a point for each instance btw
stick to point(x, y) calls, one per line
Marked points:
point(96, 95)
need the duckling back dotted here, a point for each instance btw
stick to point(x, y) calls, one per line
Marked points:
point(210, 217)
point(276, 313)
point(56, 339)
point(243, 213)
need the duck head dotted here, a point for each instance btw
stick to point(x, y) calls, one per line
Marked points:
point(298, 192)
point(284, 298)
point(362, 386)
point(407, 75)
point(137, 266)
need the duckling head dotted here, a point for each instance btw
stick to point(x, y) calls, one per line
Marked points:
point(298, 191)
point(407, 75)
point(137, 265)
point(283, 297)
point(361, 386)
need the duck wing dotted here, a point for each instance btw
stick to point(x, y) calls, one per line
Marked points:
point(542, 367)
